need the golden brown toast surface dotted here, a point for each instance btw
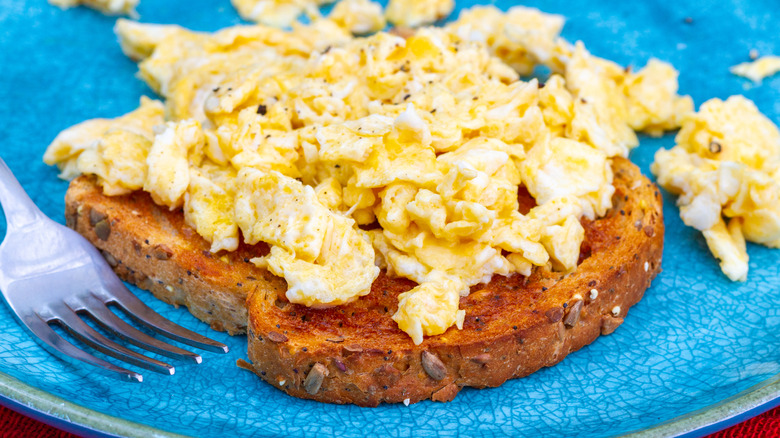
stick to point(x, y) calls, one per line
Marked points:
point(153, 248)
point(355, 353)
point(514, 325)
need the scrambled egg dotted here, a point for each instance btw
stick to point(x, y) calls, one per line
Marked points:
point(325, 259)
point(726, 169)
point(432, 307)
point(358, 16)
point(413, 13)
point(114, 150)
point(299, 138)
point(522, 37)
point(570, 168)
point(278, 13)
point(111, 7)
point(603, 102)
point(759, 69)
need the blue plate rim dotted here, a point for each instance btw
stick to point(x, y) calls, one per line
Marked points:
point(64, 414)
point(58, 412)
point(68, 415)
point(732, 410)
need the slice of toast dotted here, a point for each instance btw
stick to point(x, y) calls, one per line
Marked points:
point(355, 353)
point(153, 248)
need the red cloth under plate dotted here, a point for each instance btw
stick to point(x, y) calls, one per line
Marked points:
point(13, 425)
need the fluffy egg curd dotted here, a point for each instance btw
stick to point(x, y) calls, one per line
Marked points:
point(359, 16)
point(350, 155)
point(726, 169)
point(279, 13)
point(413, 13)
point(759, 69)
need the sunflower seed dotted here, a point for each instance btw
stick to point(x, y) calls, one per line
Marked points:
point(351, 349)
point(340, 365)
point(573, 314)
point(433, 366)
point(103, 229)
point(315, 378)
point(481, 359)
point(110, 258)
point(96, 216)
point(277, 337)
point(162, 252)
point(555, 314)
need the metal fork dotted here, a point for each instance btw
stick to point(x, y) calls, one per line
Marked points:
point(49, 274)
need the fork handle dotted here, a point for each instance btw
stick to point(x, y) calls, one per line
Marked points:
point(19, 209)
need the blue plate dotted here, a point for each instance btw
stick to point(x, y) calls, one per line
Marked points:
point(696, 354)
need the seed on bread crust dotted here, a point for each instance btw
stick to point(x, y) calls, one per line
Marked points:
point(573, 314)
point(555, 314)
point(387, 375)
point(481, 359)
point(433, 366)
point(102, 230)
point(340, 365)
point(561, 331)
point(315, 377)
point(96, 216)
point(112, 261)
point(162, 252)
point(277, 337)
point(71, 219)
point(351, 349)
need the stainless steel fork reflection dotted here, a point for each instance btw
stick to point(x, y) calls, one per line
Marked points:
point(49, 274)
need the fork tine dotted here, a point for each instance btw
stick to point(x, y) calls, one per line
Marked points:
point(106, 318)
point(143, 314)
point(78, 328)
point(47, 335)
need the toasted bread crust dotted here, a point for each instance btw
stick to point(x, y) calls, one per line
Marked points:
point(153, 248)
point(514, 325)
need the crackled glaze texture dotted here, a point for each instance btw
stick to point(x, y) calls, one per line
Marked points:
point(695, 338)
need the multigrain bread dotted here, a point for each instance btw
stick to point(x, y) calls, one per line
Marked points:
point(355, 353)
point(153, 248)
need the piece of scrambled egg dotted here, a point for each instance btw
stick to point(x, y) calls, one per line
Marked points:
point(115, 150)
point(298, 138)
point(414, 13)
point(278, 13)
point(111, 7)
point(726, 169)
point(358, 16)
point(759, 69)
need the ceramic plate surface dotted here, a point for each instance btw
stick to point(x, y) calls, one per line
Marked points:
point(698, 350)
